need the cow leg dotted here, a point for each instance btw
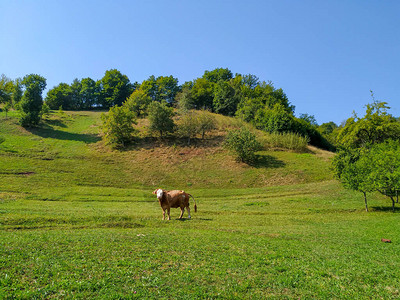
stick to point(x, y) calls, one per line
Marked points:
point(169, 216)
point(188, 210)
point(182, 211)
point(163, 214)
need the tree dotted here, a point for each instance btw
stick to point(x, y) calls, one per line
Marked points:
point(206, 122)
point(243, 143)
point(115, 88)
point(310, 119)
point(384, 160)
point(7, 107)
point(353, 172)
point(6, 89)
point(184, 99)
point(218, 74)
point(188, 125)
point(17, 92)
point(202, 94)
point(60, 95)
point(167, 88)
point(89, 93)
point(76, 100)
point(118, 126)
point(160, 117)
point(138, 102)
point(375, 127)
point(224, 101)
point(32, 101)
point(276, 119)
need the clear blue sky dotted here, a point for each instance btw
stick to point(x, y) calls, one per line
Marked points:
point(325, 55)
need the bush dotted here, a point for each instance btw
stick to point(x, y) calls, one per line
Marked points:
point(243, 143)
point(117, 126)
point(188, 126)
point(160, 117)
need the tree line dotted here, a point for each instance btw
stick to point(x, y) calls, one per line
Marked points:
point(245, 96)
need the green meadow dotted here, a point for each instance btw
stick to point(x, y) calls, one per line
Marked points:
point(78, 221)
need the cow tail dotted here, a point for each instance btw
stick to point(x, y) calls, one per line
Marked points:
point(195, 206)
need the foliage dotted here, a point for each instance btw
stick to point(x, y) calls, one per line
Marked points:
point(59, 95)
point(375, 127)
point(202, 94)
point(218, 74)
point(45, 109)
point(353, 172)
point(76, 99)
point(6, 89)
point(117, 126)
point(160, 117)
point(162, 88)
point(89, 93)
point(7, 107)
point(184, 99)
point(286, 140)
point(188, 125)
point(138, 102)
point(225, 99)
point(310, 119)
point(243, 143)
point(17, 91)
point(206, 122)
point(308, 128)
point(384, 164)
point(115, 88)
point(275, 119)
point(31, 102)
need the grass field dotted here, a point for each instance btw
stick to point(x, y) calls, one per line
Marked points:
point(78, 220)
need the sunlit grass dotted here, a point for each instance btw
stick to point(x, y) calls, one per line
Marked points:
point(78, 220)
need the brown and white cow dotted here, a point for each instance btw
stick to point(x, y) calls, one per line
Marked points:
point(174, 199)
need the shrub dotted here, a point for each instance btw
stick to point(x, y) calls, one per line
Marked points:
point(117, 126)
point(243, 143)
point(160, 117)
point(188, 126)
point(206, 122)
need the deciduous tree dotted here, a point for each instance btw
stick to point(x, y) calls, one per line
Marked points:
point(32, 101)
point(160, 116)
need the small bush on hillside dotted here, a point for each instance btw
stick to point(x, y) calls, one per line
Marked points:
point(117, 126)
point(243, 143)
point(206, 122)
point(188, 126)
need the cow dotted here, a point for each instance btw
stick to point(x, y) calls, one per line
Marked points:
point(174, 199)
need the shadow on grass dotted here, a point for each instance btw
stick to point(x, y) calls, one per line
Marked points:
point(385, 208)
point(267, 161)
point(45, 131)
point(56, 122)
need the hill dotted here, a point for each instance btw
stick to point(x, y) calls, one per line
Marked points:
point(78, 220)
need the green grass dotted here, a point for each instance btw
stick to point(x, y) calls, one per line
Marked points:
point(78, 220)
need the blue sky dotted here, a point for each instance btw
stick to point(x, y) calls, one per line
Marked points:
point(325, 55)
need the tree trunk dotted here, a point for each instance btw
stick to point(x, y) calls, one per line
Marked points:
point(365, 200)
point(392, 203)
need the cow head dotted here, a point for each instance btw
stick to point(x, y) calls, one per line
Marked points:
point(159, 193)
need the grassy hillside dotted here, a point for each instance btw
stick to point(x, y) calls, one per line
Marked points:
point(78, 220)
